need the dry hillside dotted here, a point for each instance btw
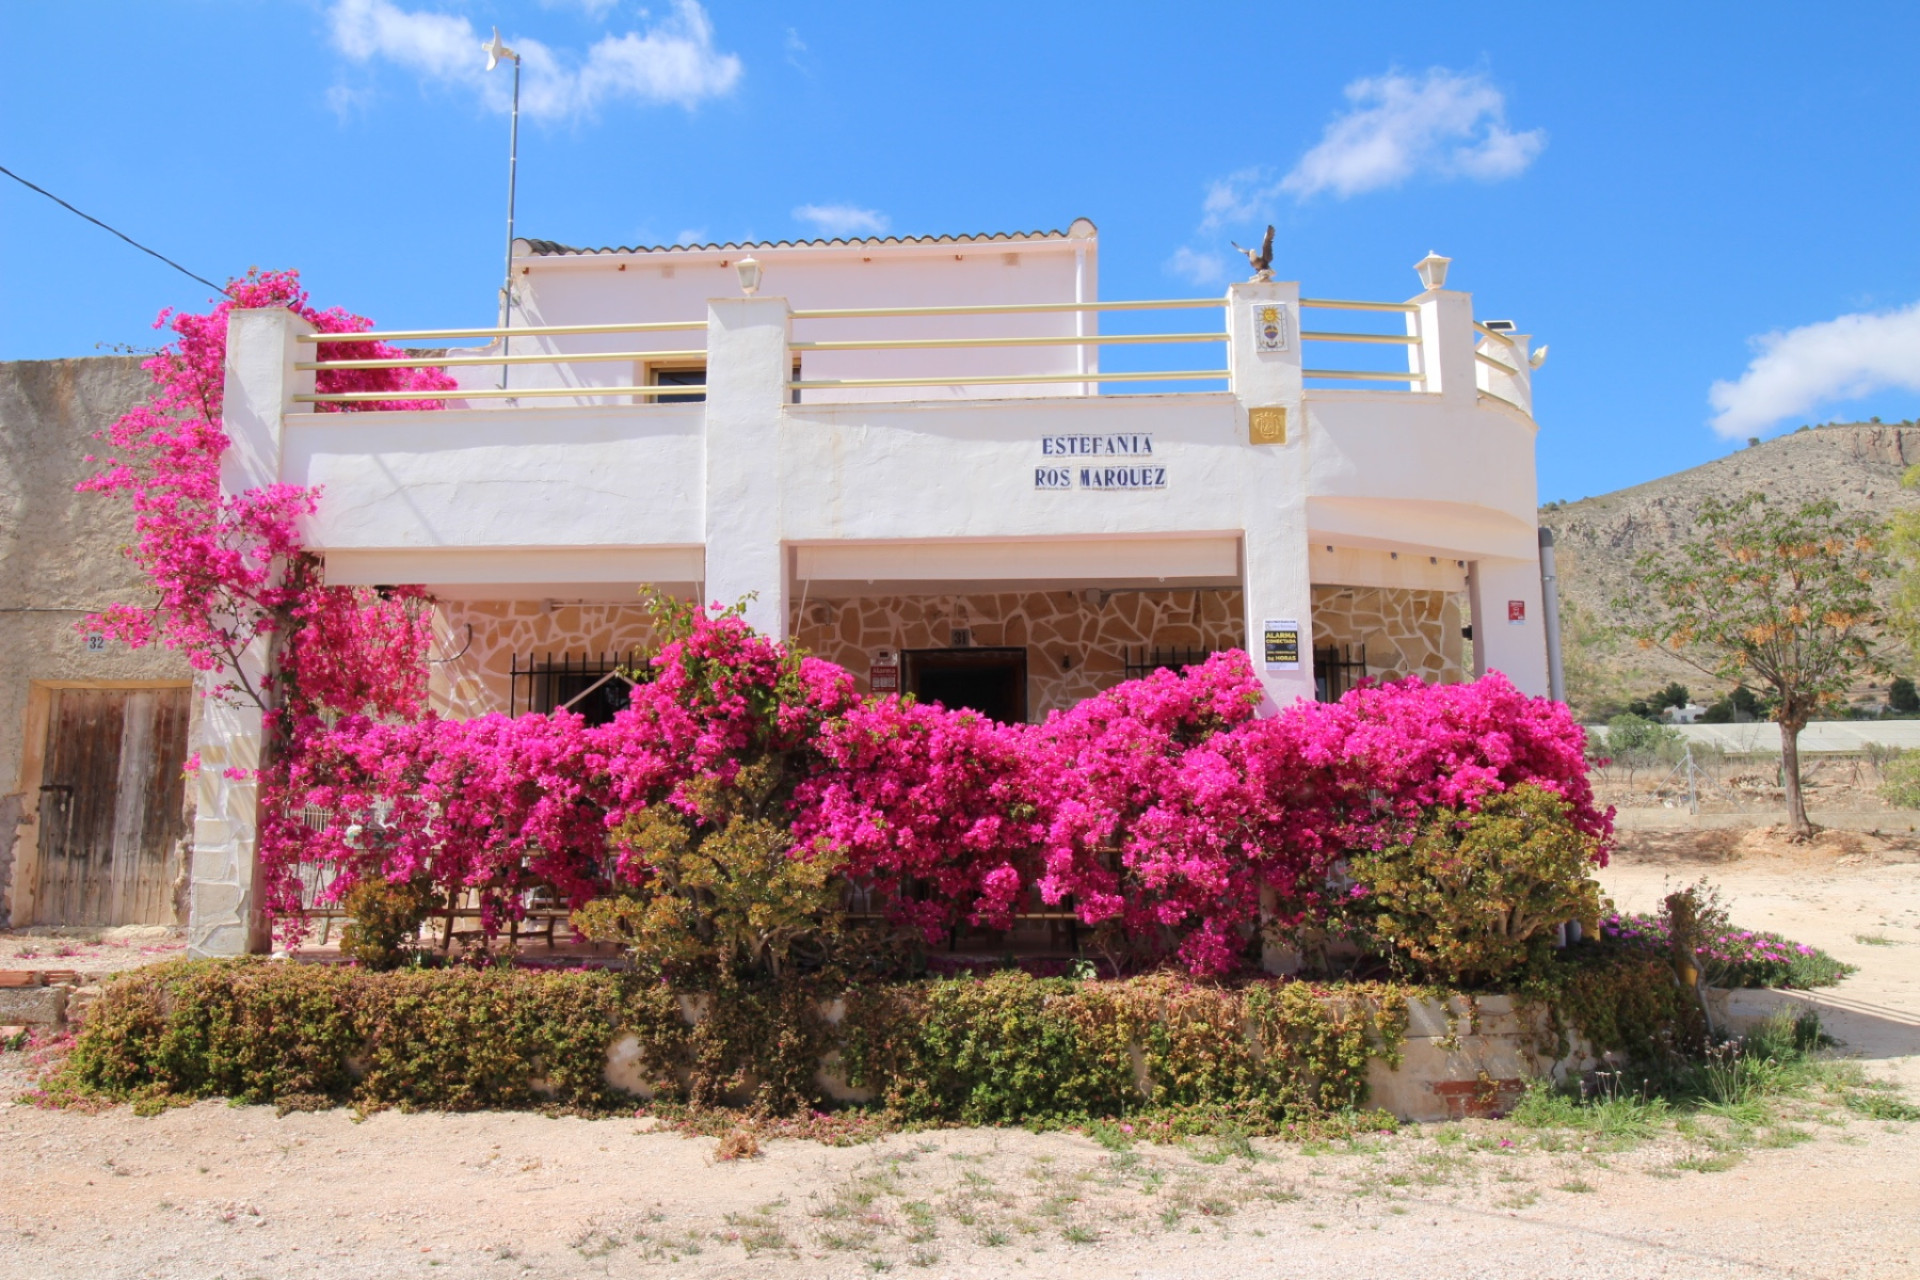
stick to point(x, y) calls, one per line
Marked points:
point(1858, 465)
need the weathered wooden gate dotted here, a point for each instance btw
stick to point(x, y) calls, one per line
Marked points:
point(110, 806)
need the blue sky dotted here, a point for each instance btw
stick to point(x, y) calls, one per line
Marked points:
point(1671, 196)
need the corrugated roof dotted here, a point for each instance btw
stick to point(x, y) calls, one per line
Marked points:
point(552, 248)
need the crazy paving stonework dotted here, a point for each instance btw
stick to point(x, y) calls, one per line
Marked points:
point(1078, 643)
point(1406, 632)
point(475, 643)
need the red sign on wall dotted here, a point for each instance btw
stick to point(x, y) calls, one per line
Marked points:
point(1517, 612)
point(883, 672)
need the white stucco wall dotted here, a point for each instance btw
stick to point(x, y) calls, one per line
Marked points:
point(587, 476)
point(629, 286)
point(751, 493)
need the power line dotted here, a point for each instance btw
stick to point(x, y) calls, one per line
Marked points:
point(104, 227)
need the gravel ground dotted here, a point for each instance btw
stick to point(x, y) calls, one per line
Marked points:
point(93, 953)
point(216, 1191)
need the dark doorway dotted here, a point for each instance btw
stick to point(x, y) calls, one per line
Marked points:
point(990, 681)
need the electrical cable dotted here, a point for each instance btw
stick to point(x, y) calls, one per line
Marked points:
point(104, 227)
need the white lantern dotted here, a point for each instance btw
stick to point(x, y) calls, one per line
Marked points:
point(749, 269)
point(1433, 270)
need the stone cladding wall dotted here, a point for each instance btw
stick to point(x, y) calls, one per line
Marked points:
point(475, 643)
point(1406, 632)
point(1077, 642)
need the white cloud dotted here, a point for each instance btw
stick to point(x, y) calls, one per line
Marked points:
point(674, 61)
point(1444, 124)
point(1197, 266)
point(437, 45)
point(1237, 198)
point(843, 219)
point(1839, 359)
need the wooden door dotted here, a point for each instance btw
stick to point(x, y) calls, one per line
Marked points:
point(110, 806)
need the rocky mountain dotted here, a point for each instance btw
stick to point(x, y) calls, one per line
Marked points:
point(1856, 464)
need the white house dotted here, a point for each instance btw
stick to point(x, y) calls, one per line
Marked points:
point(940, 461)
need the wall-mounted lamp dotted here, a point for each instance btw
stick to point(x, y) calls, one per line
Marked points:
point(1433, 270)
point(1538, 358)
point(749, 269)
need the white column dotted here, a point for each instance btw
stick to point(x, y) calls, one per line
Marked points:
point(223, 913)
point(1506, 638)
point(1447, 341)
point(748, 365)
point(1266, 377)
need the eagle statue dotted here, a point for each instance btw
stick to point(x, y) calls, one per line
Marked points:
point(1262, 261)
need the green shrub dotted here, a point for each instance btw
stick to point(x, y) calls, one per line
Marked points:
point(257, 1031)
point(1622, 1000)
point(1902, 697)
point(724, 897)
point(1637, 741)
point(465, 1039)
point(1007, 1049)
point(1476, 896)
point(253, 1032)
point(385, 918)
point(1002, 1049)
point(1900, 780)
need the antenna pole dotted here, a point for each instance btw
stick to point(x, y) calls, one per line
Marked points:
point(513, 168)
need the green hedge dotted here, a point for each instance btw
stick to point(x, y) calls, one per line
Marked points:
point(1008, 1048)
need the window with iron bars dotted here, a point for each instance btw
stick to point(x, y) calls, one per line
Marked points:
point(594, 685)
point(1336, 670)
point(1143, 661)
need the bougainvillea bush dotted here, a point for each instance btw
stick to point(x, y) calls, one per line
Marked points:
point(228, 569)
point(1162, 813)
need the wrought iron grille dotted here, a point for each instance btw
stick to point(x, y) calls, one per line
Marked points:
point(1336, 670)
point(595, 685)
point(1143, 661)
